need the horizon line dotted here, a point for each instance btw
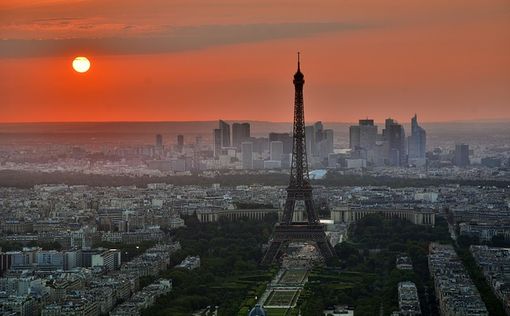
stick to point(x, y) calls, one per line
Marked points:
point(243, 120)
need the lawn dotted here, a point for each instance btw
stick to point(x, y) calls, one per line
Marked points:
point(281, 298)
point(293, 276)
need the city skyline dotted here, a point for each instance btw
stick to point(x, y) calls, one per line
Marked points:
point(174, 61)
point(166, 157)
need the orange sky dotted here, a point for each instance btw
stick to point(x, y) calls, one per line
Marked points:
point(203, 60)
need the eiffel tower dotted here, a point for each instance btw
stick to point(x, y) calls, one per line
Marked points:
point(299, 189)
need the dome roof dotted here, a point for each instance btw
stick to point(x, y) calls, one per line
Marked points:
point(257, 311)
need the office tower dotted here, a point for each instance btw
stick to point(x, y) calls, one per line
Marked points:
point(323, 143)
point(326, 144)
point(260, 144)
point(319, 141)
point(221, 138)
point(247, 155)
point(157, 150)
point(318, 136)
point(319, 131)
point(354, 137)
point(417, 141)
point(461, 155)
point(159, 141)
point(310, 141)
point(276, 150)
point(395, 136)
point(240, 133)
point(217, 142)
point(180, 143)
point(225, 133)
point(362, 140)
point(285, 138)
point(368, 134)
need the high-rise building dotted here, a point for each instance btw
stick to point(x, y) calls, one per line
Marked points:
point(159, 141)
point(240, 133)
point(247, 155)
point(368, 134)
point(395, 136)
point(310, 141)
point(326, 145)
point(221, 137)
point(461, 155)
point(354, 135)
point(319, 141)
point(285, 138)
point(180, 143)
point(319, 132)
point(217, 142)
point(225, 133)
point(276, 150)
point(362, 140)
point(157, 150)
point(417, 142)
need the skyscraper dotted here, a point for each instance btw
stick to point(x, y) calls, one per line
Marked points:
point(354, 134)
point(395, 136)
point(285, 138)
point(240, 133)
point(217, 142)
point(318, 135)
point(159, 141)
point(225, 133)
point(319, 141)
point(158, 148)
point(310, 141)
point(368, 134)
point(247, 155)
point(363, 136)
point(461, 155)
point(221, 137)
point(276, 150)
point(417, 142)
point(180, 143)
point(362, 140)
point(326, 145)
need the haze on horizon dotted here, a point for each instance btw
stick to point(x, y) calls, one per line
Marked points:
point(179, 60)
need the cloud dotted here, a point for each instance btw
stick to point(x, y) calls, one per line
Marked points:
point(72, 27)
point(172, 39)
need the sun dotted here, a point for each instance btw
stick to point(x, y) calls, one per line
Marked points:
point(81, 64)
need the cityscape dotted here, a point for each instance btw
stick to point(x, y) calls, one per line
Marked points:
point(129, 192)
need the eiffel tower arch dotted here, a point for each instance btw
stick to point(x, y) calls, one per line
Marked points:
point(299, 189)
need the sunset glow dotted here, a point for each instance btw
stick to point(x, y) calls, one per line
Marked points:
point(177, 60)
point(81, 64)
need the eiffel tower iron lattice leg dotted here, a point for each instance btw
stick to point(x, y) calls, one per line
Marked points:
point(299, 189)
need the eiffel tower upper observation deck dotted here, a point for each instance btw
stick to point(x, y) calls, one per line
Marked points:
point(299, 189)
